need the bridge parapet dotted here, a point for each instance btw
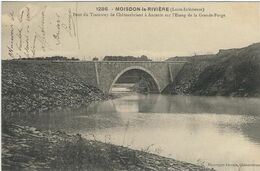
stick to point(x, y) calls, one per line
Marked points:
point(171, 62)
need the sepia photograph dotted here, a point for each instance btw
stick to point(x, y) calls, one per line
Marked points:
point(130, 86)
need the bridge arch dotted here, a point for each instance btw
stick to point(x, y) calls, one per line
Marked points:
point(136, 68)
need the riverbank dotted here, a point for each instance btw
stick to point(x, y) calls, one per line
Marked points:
point(232, 72)
point(32, 88)
point(27, 148)
point(38, 86)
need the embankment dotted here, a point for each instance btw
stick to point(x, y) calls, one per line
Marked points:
point(34, 87)
point(26, 148)
point(233, 72)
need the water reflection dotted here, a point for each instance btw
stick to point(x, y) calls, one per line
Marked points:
point(252, 130)
point(137, 103)
point(94, 116)
point(208, 129)
point(197, 104)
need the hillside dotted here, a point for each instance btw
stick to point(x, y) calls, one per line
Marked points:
point(34, 87)
point(233, 72)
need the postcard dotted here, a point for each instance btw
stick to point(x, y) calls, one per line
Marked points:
point(129, 85)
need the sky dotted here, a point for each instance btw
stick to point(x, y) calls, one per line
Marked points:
point(35, 29)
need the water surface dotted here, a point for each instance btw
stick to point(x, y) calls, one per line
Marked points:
point(203, 130)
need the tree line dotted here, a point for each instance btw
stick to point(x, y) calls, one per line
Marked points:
point(52, 58)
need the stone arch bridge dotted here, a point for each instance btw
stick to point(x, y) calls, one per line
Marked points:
point(103, 74)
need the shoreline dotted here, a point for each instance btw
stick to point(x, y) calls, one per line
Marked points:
point(32, 88)
point(25, 147)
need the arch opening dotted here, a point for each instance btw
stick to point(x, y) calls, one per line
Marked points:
point(135, 79)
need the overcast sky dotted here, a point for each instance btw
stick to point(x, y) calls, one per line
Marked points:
point(86, 37)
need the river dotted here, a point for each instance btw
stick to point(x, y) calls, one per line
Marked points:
point(218, 132)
